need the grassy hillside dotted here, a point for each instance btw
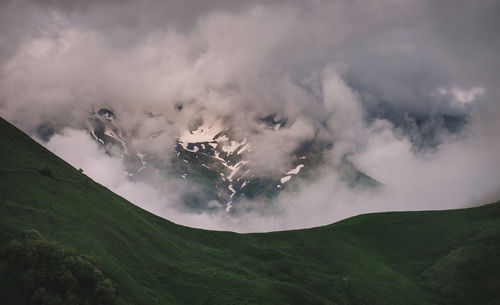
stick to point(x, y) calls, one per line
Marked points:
point(444, 257)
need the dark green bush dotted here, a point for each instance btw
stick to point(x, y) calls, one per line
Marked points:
point(105, 292)
point(14, 251)
point(54, 274)
point(39, 297)
point(32, 235)
point(47, 171)
point(71, 299)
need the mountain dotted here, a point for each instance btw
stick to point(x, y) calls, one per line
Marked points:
point(60, 231)
point(213, 158)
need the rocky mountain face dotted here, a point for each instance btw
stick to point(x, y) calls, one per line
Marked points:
point(217, 162)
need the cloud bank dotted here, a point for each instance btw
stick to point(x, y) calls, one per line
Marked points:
point(405, 90)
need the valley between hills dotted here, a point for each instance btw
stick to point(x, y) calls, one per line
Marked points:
point(68, 240)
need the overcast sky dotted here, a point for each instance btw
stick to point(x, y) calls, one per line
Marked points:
point(407, 89)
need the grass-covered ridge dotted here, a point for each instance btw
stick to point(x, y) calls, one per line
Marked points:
point(445, 257)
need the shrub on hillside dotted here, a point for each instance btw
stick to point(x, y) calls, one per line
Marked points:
point(54, 274)
point(47, 171)
point(105, 292)
point(14, 252)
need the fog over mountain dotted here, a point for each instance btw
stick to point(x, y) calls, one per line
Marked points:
point(404, 92)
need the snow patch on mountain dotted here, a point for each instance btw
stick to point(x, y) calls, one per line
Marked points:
point(229, 149)
point(234, 169)
point(244, 148)
point(203, 134)
point(285, 179)
point(92, 132)
point(110, 133)
point(296, 170)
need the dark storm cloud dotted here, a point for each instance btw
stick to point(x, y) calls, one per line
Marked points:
point(395, 52)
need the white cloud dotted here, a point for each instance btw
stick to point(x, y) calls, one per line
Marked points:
point(236, 62)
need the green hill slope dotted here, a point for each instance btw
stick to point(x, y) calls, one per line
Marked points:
point(442, 257)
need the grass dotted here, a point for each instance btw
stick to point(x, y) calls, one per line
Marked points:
point(439, 257)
